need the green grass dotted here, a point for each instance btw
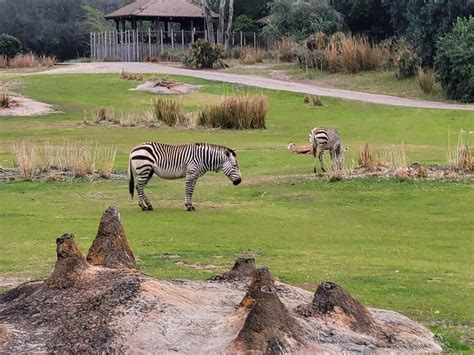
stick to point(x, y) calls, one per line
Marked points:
point(401, 246)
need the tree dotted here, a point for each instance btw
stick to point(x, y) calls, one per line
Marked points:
point(220, 27)
point(208, 18)
point(229, 24)
point(94, 19)
point(9, 46)
point(300, 20)
point(455, 61)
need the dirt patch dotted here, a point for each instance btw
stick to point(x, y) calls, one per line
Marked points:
point(10, 282)
point(167, 88)
point(23, 106)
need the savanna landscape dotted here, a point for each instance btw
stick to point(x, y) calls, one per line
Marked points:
point(394, 227)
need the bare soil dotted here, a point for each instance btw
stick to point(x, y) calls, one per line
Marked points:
point(23, 106)
point(174, 89)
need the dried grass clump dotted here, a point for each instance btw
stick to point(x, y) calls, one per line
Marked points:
point(47, 62)
point(6, 100)
point(24, 61)
point(130, 76)
point(251, 56)
point(285, 48)
point(422, 172)
point(315, 100)
point(426, 80)
point(368, 161)
point(104, 158)
point(189, 120)
point(401, 175)
point(168, 111)
point(24, 158)
point(80, 158)
point(461, 160)
point(236, 112)
point(3, 62)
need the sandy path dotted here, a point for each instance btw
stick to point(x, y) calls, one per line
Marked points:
point(266, 83)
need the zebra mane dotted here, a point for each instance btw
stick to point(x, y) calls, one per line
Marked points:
point(220, 147)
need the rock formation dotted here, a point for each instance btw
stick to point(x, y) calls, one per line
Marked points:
point(103, 304)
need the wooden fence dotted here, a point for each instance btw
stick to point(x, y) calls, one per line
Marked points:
point(136, 46)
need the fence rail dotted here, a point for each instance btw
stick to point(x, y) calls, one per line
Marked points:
point(136, 46)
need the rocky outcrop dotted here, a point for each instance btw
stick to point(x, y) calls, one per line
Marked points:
point(103, 304)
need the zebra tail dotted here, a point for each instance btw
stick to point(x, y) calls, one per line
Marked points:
point(131, 182)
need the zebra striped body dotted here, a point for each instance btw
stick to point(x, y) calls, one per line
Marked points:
point(326, 139)
point(189, 161)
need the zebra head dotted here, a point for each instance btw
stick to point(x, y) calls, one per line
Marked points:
point(230, 166)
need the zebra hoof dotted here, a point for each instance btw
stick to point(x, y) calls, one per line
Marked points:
point(192, 208)
point(150, 208)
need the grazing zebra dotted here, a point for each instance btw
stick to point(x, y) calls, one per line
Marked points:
point(326, 139)
point(189, 161)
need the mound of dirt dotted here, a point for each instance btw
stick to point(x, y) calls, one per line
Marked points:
point(103, 304)
point(23, 106)
point(167, 88)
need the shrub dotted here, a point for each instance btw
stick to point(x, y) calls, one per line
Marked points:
point(454, 61)
point(168, 111)
point(5, 100)
point(9, 46)
point(406, 63)
point(203, 55)
point(130, 76)
point(461, 159)
point(426, 80)
point(3, 62)
point(235, 53)
point(104, 158)
point(24, 61)
point(315, 100)
point(171, 55)
point(285, 48)
point(111, 58)
point(241, 112)
point(251, 56)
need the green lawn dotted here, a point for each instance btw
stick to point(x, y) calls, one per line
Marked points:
point(401, 246)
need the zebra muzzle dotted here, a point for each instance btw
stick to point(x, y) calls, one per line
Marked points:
point(236, 182)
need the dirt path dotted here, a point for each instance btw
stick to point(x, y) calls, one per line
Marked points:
point(266, 83)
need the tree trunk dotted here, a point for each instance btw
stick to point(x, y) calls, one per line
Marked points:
point(208, 19)
point(229, 24)
point(220, 28)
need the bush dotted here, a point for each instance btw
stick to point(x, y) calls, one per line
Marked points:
point(171, 55)
point(454, 61)
point(5, 100)
point(406, 63)
point(285, 48)
point(241, 112)
point(168, 111)
point(203, 55)
point(9, 46)
point(426, 80)
point(251, 56)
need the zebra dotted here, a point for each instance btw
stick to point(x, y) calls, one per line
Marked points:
point(189, 161)
point(326, 139)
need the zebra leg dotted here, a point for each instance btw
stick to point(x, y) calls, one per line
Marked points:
point(314, 159)
point(190, 184)
point(143, 200)
point(321, 153)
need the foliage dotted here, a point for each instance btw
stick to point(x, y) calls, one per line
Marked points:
point(427, 21)
point(255, 9)
point(234, 112)
point(251, 56)
point(204, 55)
point(167, 111)
point(244, 23)
point(9, 46)
point(94, 19)
point(300, 20)
point(51, 27)
point(367, 17)
point(455, 61)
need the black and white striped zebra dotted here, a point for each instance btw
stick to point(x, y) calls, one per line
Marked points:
point(326, 139)
point(189, 161)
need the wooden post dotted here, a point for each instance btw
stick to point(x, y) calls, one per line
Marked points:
point(233, 39)
point(255, 40)
point(149, 41)
point(172, 38)
point(192, 35)
point(128, 45)
point(161, 41)
point(182, 39)
point(241, 39)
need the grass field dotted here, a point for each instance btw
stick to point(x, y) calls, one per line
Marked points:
point(401, 246)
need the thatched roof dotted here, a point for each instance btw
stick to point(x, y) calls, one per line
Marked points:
point(160, 8)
